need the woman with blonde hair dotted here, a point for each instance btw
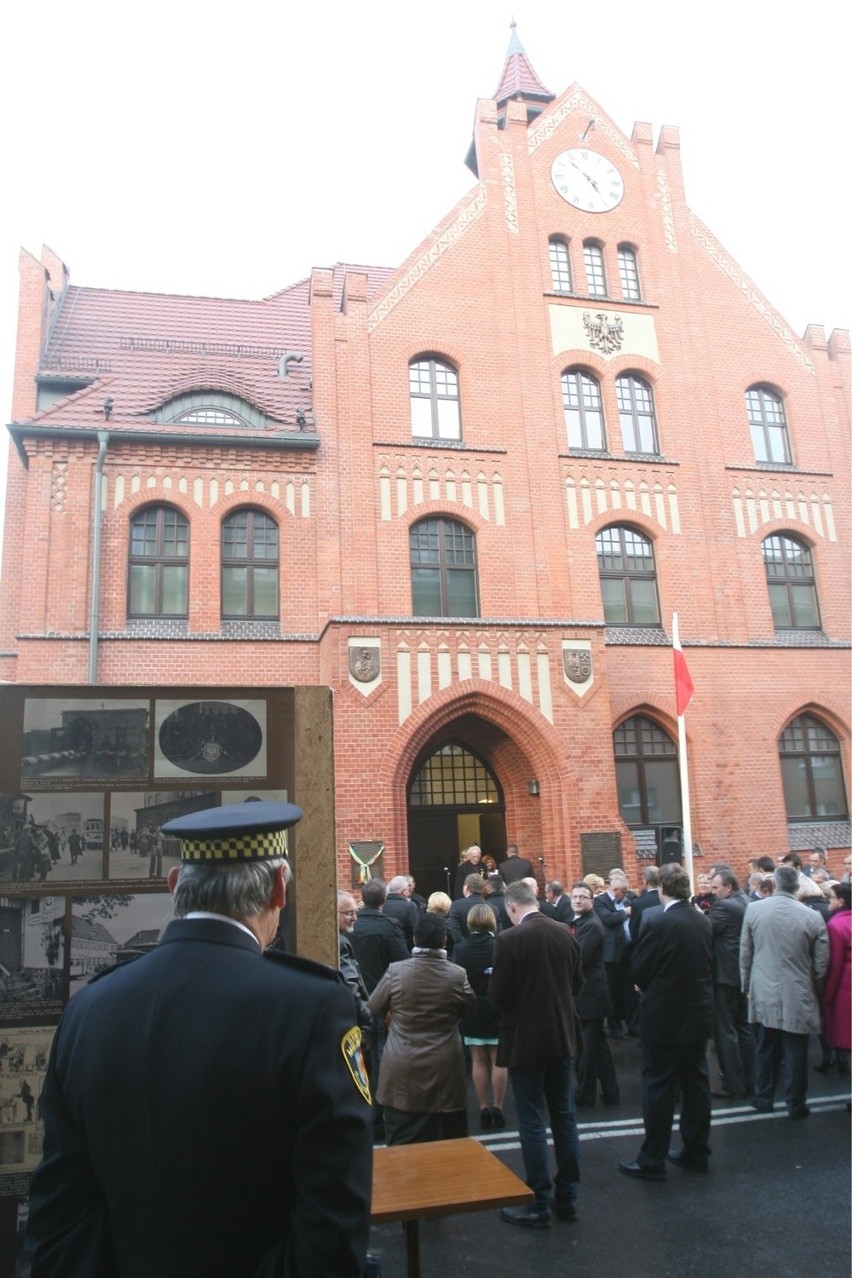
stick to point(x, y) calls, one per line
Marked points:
point(480, 1029)
point(439, 903)
point(595, 882)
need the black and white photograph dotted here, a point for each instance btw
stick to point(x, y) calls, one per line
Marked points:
point(32, 953)
point(137, 847)
point(86, 739)
point(51, 837)
point(109, 929)
point(210, 738)
point(23, 1062)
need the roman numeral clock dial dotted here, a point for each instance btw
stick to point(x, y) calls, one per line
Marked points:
point(587, 180)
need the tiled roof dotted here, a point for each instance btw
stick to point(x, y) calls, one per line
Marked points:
point(519, 79)
point(86, 930)
point(144, 349)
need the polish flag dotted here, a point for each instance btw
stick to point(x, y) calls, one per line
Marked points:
point(684, 687)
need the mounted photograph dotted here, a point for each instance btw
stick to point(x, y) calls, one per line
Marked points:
point(137, 847)
point(51, 837)
point(90, 739)
point(210, 738)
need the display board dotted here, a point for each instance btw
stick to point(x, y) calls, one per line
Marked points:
point(88, 777)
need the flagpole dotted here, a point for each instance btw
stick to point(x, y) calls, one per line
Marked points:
point(684, 776)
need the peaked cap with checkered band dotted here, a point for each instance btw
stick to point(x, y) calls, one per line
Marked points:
point(252, 831)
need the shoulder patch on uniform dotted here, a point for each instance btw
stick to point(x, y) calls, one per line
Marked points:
point(350, 1046)
point(114, 967)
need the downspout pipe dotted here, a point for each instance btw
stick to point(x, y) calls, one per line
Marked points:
point(103, 440)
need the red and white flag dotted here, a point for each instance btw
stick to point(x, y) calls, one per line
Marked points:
point(684, 687)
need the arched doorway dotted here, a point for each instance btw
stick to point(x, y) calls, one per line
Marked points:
point(454, 799)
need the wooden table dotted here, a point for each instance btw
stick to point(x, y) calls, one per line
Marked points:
point(438, 1178)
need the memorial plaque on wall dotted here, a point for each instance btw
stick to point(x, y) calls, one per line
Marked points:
point(88, 776)
point(600, 852)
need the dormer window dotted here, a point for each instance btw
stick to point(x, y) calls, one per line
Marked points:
point(216, 409)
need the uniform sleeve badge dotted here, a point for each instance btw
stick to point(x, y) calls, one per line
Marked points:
point(353, 1054)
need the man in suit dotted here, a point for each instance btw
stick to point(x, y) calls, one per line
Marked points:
point(556, 904)
point(648, 899)
point(474, 886)
point(595, 1061)
point(400, 908)
point(783, 961)
point(514, 867)
point(537, 970)
point(614, 909)
point(673, 970)
point(206, 1107)
point(493, 896)
point(731, 1029)
point(377, 941)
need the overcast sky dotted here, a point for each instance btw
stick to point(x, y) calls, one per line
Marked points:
point(227, 149)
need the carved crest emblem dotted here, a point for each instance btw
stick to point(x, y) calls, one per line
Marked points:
point(605, 332)
point(364, 664)
point(577, 663)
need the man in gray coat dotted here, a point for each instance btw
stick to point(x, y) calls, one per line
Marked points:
point(783, 960)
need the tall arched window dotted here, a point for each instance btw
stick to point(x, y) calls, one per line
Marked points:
point(249, 566)
point(628, 273)
point(768, 425)
point(443, 569)
point(434, 390)
point(791, 583)
point(636, 414)
point(581, 399)
point(595, 274)
point(812, 771)
point(560, 265)
point(159, 563)
point(628, 578)
point(646, 773)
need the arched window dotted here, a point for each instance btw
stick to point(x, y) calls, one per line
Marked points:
point(581, 399)
point(249, 565)
point(560, 265)
point(768, 424)
point(434, 390)
point(812, 771)
point(453, 777)
point(628, 578)
point(628, 273)
point(791, 583)
point(159, 563)
point(636, 414)
point(595, 275)
point(443, 569)
point(646, 773)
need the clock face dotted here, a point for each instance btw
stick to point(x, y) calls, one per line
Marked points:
point(587, 180)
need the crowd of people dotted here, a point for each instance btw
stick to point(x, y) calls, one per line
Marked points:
point(533, 982)
point(281, 1174)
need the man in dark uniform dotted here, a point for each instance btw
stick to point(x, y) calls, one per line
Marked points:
point(515, 866)
point(206, 1109)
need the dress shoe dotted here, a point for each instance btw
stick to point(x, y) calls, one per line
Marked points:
point(498, 1118)
point(681, 1159)
point(642, 1171)
point(762, 1107)
point(485, 1118)
point(799, 1111)
point(720, 1094)
point(565, 1211)
point(527, 1216)
point(612, 1100)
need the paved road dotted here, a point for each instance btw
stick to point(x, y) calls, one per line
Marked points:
point(776, 1202)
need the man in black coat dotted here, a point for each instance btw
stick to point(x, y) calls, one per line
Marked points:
point(556, 904)
point(206, 1108)
point(473, 889)
point(731, 1029)
point(673, 970)
point(493, 896)
point(648, 899)
point(595, 1061)
point(401, 909)
point(514, 867)
point(537, 971)
point(377, 941)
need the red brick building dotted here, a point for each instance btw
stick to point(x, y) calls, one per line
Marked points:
point(468, 494)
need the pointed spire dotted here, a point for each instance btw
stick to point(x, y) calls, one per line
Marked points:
point(519, 80)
